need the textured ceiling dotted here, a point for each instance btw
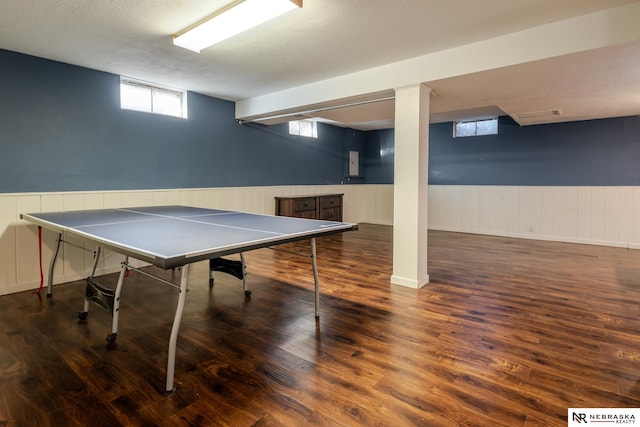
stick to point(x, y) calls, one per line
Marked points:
point(324, 39)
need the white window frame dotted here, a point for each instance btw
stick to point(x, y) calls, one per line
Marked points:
point(154, 91)
point(296, 128)
point(475, 132)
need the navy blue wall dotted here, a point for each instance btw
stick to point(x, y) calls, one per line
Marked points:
point(378, 157)
point(585, 153)
point(62, 129)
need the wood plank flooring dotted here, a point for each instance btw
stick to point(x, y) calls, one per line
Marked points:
point(509, 332)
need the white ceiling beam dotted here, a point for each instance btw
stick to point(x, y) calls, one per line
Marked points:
point(591, 31)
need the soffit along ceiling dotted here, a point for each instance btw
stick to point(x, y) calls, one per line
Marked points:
point(330, 38)
point(596, 84)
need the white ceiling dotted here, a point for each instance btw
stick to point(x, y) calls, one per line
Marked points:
point(331, 38)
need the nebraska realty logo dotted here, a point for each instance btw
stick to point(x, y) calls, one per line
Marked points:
point(602, 416)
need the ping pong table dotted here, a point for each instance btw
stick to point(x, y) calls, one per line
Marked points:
point(175, 236)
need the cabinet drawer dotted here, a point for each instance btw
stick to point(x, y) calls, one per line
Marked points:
point(331, 202)
point(304, 204)
point(331, 214)
point(327, 207)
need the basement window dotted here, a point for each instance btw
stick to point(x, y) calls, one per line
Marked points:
point(475, 128)
point(308, 128)
point(142, 96)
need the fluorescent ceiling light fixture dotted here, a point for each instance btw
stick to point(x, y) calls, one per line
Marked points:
point(234, 19)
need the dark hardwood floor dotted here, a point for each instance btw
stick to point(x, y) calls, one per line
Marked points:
point(508, 333)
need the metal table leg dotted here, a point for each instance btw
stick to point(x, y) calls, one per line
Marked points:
point(52, 266)
point(316, 281)
point(245, 288)
point(116, 301)
point(173, 340)
point(96, 258)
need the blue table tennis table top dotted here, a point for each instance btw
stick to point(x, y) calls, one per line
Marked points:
point(172, 236)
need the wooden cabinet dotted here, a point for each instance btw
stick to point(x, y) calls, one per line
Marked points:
point(327, 207)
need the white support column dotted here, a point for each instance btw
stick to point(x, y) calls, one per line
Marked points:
point(410, 189)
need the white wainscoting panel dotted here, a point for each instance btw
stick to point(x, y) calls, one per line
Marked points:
point(19, 260)
point(594, 215)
